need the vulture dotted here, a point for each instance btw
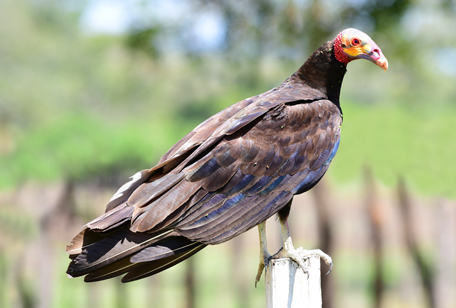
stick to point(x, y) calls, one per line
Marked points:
point(228, 175)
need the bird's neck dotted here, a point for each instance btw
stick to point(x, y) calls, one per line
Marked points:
point(322, 71)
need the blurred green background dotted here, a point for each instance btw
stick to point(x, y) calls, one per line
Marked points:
point(93, 91)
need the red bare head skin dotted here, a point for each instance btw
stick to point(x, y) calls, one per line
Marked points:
point(352, 44)
point(341, 56)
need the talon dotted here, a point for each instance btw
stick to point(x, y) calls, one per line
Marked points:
point(302, 266)
point(261, 266)
point(330, 268)
point(326, 258)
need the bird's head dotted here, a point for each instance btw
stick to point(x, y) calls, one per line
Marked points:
point(352, 44)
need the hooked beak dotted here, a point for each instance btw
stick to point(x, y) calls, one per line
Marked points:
point(374, 54)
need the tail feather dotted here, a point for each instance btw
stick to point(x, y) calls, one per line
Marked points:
point(105, 255)
point(164, 248)
point(82, 240)
point(155, 267)
point(112, 247)
point(149, 261)
point(113, 270)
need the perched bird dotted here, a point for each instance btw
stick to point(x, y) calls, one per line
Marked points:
point(228, 175)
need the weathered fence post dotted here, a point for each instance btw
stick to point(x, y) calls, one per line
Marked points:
point(287, 286)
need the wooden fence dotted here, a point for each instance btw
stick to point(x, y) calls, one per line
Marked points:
point(389, 246)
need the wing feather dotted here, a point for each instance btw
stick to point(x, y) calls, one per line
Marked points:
point(294, 168)
point(150, 191)
point(218, 179)
point(267, 211)
point(144, 219)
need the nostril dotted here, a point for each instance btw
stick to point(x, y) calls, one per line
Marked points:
point(376, 53)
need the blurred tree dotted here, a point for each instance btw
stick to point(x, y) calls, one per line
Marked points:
point(254, 29)
point(144, 40)
point(74, 96)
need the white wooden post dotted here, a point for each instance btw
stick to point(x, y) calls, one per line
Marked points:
point(287, 286)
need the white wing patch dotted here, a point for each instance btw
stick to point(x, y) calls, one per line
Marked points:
point(126, 186)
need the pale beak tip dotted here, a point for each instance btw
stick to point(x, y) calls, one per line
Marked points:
point(383, 63)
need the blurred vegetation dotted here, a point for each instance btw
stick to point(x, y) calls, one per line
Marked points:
point(75, 105)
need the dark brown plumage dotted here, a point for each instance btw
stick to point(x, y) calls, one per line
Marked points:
point(232, 172)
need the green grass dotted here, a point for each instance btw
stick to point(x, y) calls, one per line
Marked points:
point(396, 141)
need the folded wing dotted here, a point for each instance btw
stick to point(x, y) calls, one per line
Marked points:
point(229, 174)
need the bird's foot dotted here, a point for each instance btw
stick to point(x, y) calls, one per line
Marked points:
point(298, 255)
point(264, 260)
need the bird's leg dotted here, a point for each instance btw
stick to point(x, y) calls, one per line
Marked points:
point(288, 250)
point(264, 254)
point(298, 255)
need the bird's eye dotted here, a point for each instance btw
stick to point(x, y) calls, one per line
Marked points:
point(355, 42)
